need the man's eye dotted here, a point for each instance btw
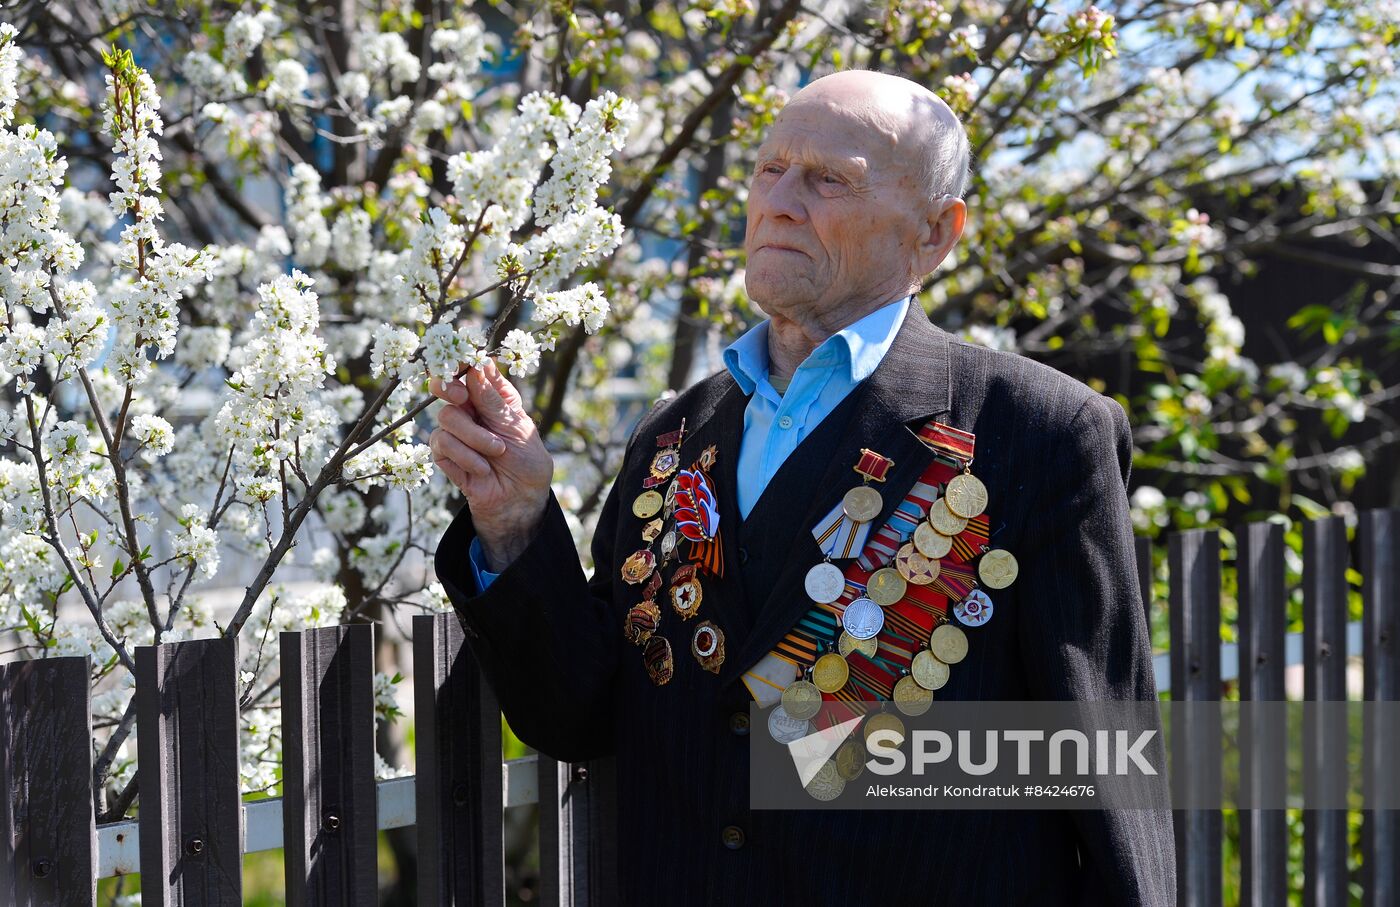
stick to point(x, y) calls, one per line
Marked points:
point(831, 180)
point(770, 168)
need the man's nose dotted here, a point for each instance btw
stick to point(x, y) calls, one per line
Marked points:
point(785, 198)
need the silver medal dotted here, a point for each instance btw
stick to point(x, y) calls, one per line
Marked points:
point(784, 728)
point(863, 618)
point(825, 583)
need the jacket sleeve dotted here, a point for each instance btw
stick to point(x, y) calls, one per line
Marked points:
point(1084, 635)
point(544, 634)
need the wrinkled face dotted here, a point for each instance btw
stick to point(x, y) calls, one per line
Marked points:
point(834, 214)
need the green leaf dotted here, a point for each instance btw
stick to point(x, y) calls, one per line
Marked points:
point(117, 568)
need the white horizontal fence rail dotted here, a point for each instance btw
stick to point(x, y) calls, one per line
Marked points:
point(196, 828)
point(119, 843)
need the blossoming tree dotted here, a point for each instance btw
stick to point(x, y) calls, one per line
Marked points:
point(327, 205)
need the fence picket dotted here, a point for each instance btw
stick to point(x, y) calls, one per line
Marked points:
point(461, 843)
point(1194, 561)
point(47, 820)
point(329, 811)
point(578, 823)
point(1324, 680)
point(191, 815)
point(1379, 538)
point(1263, 606)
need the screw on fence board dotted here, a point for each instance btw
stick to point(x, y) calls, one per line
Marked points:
point(42, 868)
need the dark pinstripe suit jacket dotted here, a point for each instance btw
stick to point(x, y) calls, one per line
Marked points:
point(1055, 458)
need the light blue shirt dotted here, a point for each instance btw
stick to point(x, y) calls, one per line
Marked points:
point(774, 424)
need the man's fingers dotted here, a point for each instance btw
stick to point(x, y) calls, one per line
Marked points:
point(460, 423)
point(445, 445)
point(485, 397)
point(451, 391)
point(454, 473)
point(502, 384)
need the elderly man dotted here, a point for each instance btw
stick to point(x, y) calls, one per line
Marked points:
point(749, 507)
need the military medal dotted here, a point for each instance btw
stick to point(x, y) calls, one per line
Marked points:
point(998, 568)
point(666, 460)
point(910, 698)
point(830, 673)
point(863, 618)
point(641, 622)
point(784, 728)
point(652, 587)
point(801, 699)
point(669, 500)
point(886, 587)
point(651, 530)
point(668, 544)
point(850, 760)
point(826, 784)
point(707, 645)
point(686, 592)
point(914, 567)
point(647, 504)
point(975, 610)
point(927, 671)
point(885, 721)
point(638, 566)
point(931, 543)
point(707, 457)
point(948, 643)
point(824, 583)
point(943, 520)
point(657, 659)
point(966, 495)
point(863, 503)
point(846, 644)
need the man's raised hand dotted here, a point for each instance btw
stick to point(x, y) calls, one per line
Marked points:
point(490, 448)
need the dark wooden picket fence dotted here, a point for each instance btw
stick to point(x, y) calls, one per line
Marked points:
point(192, 831)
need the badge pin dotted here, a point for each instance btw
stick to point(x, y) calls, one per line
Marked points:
point(707, 645)
point(657, 659)
point(641, 622)
point(638, 566)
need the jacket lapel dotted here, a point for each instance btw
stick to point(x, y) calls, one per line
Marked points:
point(911, 384)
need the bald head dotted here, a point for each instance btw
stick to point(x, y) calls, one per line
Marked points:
point(855, 195)
point(922, 129)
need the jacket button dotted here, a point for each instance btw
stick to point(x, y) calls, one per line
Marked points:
point(733, 837)
point(739, 723)
point(743, 555)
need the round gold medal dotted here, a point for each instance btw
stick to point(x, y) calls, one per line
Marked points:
point(966, 495)
point(928, 671)
point(862, 503)
point(830, 672)
point(948, 643)
point(998, 568)
point(886, 587)
point(910, 698)
point(944, 520)
point(801, 700)
point(846, 644)
point(886, 721)
point(647, 504)
point(914, 567)
point(931, 543)
point(850, 760)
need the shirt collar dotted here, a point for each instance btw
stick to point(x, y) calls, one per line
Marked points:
point(858, 347)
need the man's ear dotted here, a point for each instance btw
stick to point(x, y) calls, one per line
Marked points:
point(946, 217)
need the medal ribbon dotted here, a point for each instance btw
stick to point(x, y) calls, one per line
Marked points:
point(822, 622)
